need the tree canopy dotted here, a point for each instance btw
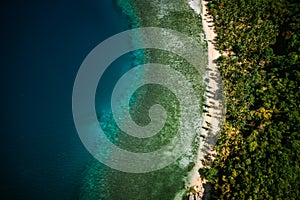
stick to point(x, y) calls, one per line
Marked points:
point(259, 146)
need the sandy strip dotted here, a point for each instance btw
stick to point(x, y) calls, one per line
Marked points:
point(212, 117)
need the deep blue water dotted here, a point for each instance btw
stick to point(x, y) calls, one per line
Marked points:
point(43, 44)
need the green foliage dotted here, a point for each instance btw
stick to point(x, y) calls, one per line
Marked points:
point(259, 147)
point(209, 173)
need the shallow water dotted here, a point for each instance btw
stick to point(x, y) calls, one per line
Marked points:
point(102, 182)
point(45, 43)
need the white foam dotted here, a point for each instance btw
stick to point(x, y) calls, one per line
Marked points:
point(195, 5)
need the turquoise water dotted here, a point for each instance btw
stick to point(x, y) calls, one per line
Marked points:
point(44, 44)
point(102, 182)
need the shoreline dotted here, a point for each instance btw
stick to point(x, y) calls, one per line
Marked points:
point(211, 119)
point(179, 169)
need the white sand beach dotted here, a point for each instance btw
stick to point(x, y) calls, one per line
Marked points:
point(211, 119)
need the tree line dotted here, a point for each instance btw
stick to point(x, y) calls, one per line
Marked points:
point(259, 146)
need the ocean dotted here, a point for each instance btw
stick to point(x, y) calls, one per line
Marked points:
point(102, 182)
point(44, 44)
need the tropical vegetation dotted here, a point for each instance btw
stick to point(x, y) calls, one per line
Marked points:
point(258, 151)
